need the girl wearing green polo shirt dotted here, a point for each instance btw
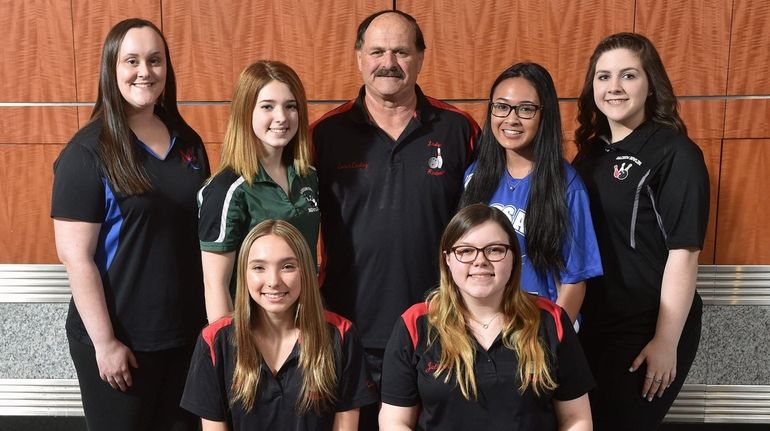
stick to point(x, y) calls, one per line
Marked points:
point(264, 173)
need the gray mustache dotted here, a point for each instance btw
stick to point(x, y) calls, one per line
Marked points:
point(393, 72)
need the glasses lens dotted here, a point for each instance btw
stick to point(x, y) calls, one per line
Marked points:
point(465, 254)
point(526, 111)
point(495, 253)
point(501, 109)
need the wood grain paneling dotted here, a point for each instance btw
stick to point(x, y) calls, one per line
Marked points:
point(92, 20)
point(36, 48)
point(214, 41)
point(704, 118)
point(470, 42)
point(742, 228)
point(692, 38)
point(747, 119)
point(26, 230)
point(750, 48)
point(210, 121)
point(37, 124)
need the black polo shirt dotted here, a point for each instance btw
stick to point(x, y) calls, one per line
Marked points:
point(407, 377)
point(649, 194)
point(384, 205)
point(208, 391)
point(147, 251)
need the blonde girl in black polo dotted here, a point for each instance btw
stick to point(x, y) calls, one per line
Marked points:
point(480, 353)
point(280, 362)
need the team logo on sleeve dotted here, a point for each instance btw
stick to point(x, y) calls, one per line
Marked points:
point(435, 161)
point(312, 201)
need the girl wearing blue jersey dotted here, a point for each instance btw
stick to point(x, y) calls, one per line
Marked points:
point(520, 170)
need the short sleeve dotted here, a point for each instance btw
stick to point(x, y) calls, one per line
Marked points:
point(399, 374)
point(78, 188)
point(356, 388)
point(203, 394)
point(224, 216)
point(683, 196)
point(573, 374)
point(580, 250)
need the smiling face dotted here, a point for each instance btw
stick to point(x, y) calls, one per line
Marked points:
point(276, 118)
point(388, 60)
point(481, 281)
point(621, 88)
point(513, 133)
point(141, 68)
point(273, 276)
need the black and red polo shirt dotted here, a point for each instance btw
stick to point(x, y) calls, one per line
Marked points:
point(208, 391)
point(408, 380)
point(649, 194)
point(384, 204)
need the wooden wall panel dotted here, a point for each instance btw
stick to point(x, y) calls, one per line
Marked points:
point(26, 230)
point(216, 40)
point(210, 121)
point(742, 229)
point(92, 19)
point(693, 39)
point(37, 124)
point(469, 43)
point(704, 118)
point(747, 119)
point(37, 53)
point(750, 48)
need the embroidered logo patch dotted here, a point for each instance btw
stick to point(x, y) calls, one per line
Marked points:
point(309, 196)
point(621, 173)
point(435, 162)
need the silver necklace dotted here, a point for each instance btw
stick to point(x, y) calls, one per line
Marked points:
point(489, 322)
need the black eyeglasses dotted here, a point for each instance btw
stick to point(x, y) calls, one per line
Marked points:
point(525, 111)
point(493, 252)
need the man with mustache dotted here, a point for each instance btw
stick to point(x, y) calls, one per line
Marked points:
point(390, 167)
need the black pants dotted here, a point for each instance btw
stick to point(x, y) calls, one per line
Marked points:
point(152, 403)
point(616, 402)
point(368, 414)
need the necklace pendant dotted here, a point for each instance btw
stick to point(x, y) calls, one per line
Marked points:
point(485, 326)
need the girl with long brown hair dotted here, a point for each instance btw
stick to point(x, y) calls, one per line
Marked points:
point(649, 191)
point(125, 222)
point(480, 353)
point(281, 361)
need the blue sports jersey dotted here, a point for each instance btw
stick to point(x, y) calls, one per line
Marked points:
point(579, 249)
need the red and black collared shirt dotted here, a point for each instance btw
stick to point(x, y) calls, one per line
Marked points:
point(408, 380)
point(384, 204)
point(208, 391)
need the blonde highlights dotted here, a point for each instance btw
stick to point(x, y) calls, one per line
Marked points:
point(241, 147)
point(447, 321)
point(316, 358)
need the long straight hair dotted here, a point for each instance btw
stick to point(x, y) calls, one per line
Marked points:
point(316, 357)
point(121, 157)
point(448, 315)
point(546, 224)
point(660, 106)
point(241, 148)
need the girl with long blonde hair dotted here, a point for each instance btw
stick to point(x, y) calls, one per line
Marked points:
point(264, 173)
point(280, 361)
point(480, 353)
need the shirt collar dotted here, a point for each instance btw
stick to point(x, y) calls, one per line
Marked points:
point(634, 142)
point(425, 112)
